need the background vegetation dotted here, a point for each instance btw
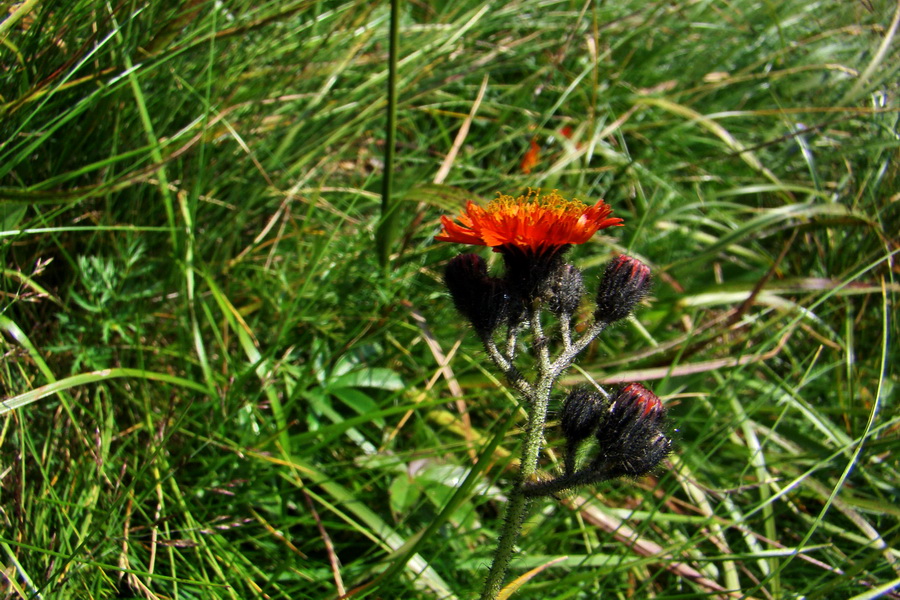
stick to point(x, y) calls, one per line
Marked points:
point(212, 389)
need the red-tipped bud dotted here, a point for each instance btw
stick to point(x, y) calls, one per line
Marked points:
point(632, 440)
point(480, 298)
point(625, 283)
point(565, 290)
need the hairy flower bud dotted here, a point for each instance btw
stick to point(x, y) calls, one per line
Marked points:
point(482, 299)
point(528, 274)
point(625, 282)
point(632, 440)
point(581, 414)
point(565, 290)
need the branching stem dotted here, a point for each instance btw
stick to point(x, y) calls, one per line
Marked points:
point(537, 398)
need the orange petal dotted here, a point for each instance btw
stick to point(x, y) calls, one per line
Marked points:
point(530, 160)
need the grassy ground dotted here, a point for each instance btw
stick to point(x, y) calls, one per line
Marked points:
point(214, 390)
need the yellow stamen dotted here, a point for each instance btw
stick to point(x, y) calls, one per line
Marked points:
point(533, 200)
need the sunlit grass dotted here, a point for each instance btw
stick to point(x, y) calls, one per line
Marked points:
point(213, 390)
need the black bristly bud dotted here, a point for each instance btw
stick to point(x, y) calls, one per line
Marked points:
point(632, 438)
point(482, 299)
point(581, 414)
point(580, 417)
point(528, 274)
point(625, 283)
point(565, 290)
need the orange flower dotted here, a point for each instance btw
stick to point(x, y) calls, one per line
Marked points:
point(531, 158)
point(533, 224)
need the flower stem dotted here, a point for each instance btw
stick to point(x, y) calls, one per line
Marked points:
point(538, 400)
point(517, 507)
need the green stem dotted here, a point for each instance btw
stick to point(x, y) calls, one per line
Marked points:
point(517, 507)
point(513, 377)
point(537, 401)
point(386, 232)
point(566, 482)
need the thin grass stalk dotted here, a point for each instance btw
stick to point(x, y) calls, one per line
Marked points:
point(387, 229)
point(15, 15)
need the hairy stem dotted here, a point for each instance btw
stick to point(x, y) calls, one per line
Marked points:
point(537, 398)
point(505, 365)
point(517, 507)
point(565, 482)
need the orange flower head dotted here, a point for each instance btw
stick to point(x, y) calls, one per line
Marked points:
point(531, 224)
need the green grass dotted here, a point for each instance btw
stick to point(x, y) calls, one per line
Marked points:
point(213, 390)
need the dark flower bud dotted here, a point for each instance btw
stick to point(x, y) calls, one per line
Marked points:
point(581, 414)
point(482, 299)
point(653, 452)
point(632, 440)
point(625, 282)
point(565, 290)
point(529, 273)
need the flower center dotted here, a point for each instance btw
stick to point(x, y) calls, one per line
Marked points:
point(533, 203)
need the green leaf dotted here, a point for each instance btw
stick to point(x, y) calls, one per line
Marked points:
point(403, 495)
point(376, 377)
